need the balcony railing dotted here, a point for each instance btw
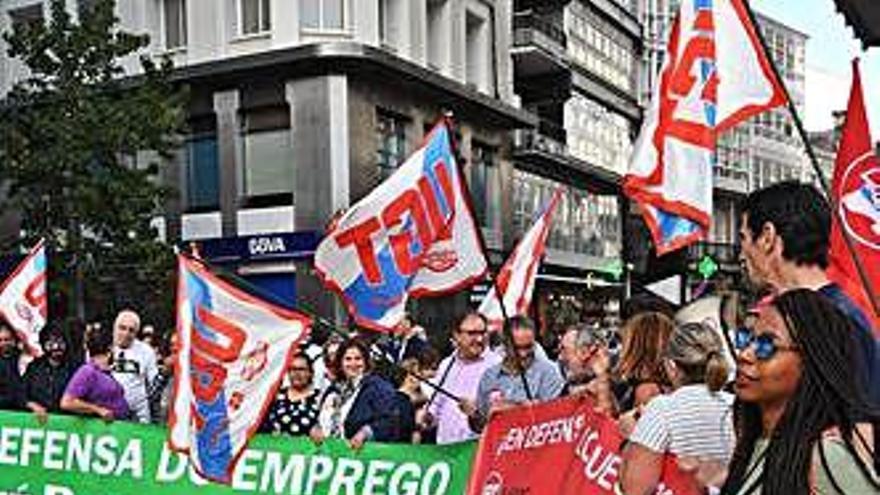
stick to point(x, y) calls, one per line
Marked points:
point(541, 24)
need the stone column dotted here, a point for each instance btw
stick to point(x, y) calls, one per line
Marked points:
point(319, 122)
point(228, 152)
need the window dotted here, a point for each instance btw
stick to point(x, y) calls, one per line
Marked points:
point(484, 186)
point(255, 16)
point(478, 52)
point(85, 7)
point(438, 36)
point(327, 15)
point(202, 172)
point(268, 159)
point(389, 22)
point(391, 139)
point(584, 223)
point(175, 23)
point(27, 17)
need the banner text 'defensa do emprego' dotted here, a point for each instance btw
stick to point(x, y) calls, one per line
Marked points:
point(76, 456)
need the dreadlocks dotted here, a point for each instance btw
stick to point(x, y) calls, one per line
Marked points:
point(826, 397)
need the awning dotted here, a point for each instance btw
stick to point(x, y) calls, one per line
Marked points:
point(864, 17)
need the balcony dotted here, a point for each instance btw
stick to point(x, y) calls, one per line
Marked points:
point(539, 45)
point(731, 180)
point(548, 138)
point(540, 5)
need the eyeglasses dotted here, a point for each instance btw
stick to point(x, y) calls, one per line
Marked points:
point(764, 345)
point(473, 333)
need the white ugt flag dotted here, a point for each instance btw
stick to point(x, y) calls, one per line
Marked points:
point(233, 351)
point(23, 300)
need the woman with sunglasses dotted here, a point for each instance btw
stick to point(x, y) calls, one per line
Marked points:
point(803, 424)
point(693, 421)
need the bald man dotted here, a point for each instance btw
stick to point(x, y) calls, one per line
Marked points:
point(134, 364)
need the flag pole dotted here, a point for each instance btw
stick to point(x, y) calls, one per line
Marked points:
point(263, 293)
point(814, 161)
point(449, 119)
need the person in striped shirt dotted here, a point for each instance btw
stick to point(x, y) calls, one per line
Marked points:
point(695, 420)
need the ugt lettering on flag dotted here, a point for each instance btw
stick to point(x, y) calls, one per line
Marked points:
point(715, 76)
point(413, 235)
point(233, 350)
point(23, 300)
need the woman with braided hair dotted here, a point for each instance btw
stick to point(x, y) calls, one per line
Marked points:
point(803, 423)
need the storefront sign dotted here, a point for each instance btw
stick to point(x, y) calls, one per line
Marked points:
point(281, 246)
point(76, 456)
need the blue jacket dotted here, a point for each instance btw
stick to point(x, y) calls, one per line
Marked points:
point(377, 405)
point(867, 347)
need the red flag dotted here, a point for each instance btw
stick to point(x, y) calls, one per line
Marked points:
point(855, 197)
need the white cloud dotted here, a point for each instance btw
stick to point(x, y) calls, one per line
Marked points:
point(825, 92)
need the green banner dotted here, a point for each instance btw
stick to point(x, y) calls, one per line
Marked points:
point(77, 456)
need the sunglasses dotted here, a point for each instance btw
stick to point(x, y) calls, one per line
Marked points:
point(764, 345)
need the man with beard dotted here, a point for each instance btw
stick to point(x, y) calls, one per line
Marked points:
point(460, 374)
point(522, 377)
point(12, 395)
point(47, 376)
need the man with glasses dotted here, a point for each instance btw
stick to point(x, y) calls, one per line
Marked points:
point(784, 239)
point(134, 364)
point(459, 374)
point(523, 376)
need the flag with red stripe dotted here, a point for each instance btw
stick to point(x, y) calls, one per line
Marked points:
point(516, 281)
point(23, 301)
point(233, 350)
point(715, 76)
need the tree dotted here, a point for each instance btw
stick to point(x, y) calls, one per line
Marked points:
point(72, 157)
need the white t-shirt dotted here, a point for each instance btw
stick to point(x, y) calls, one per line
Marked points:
point(692, 421)
point(134, 368)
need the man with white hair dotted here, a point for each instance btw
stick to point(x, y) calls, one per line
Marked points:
point(134, 364)
point(586, 364)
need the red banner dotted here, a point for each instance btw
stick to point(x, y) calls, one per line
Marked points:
point(556, 448)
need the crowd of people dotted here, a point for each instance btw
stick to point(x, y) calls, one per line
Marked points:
point(785, 403)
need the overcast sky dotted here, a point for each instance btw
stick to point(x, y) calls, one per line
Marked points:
point(830, 49)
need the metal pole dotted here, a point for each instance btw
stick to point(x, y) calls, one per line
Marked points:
point(453, 144)
point(814, 161)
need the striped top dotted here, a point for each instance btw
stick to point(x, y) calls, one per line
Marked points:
point(692, 421)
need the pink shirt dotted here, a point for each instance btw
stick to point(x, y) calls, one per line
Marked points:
point(462, 380)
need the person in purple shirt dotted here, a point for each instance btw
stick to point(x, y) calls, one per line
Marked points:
point(92, 391)
point(460, 375)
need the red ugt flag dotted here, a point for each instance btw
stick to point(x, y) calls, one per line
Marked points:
point(855, 195)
